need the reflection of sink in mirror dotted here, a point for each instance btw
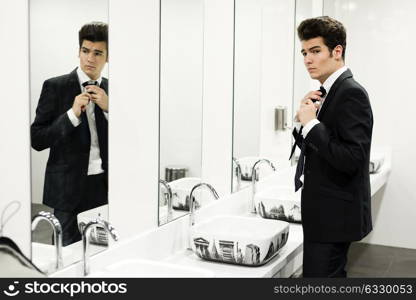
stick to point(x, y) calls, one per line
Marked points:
point(246, 164)
point(376, 161)
point(181, 189)
point(151, 269)
point(281, 203)
point(44, 256)
point(98, 234)
point(163, 214)
point(92, 214)
point(251, 241)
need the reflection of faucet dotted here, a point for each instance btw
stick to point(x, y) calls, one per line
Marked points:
point(253, 179)
point(169, 198)
point(86, 232)
point(237, 173)
point(192, 203)
point(57, 233)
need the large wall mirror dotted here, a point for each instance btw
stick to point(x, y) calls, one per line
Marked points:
point(69, 141)
point(181, 93)
point(263, 82)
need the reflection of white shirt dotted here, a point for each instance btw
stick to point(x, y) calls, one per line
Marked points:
point(94, 165)
point(329, 82)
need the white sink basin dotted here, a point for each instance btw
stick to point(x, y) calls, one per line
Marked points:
point(240, 240)
point(149, 269)
point(281, 203)
point(44, 256)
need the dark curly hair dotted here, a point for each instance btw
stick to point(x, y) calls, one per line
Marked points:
point(331, 30)
point(94, 32)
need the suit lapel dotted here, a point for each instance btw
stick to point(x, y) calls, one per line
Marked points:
point(74, 88)
point(332, 92)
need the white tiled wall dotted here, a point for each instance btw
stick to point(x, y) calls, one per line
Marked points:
point(380, 46)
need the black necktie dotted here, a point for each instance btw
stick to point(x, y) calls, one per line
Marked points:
point(323, 91)
point(84, 127)
point(89, 82)
point(301, 161)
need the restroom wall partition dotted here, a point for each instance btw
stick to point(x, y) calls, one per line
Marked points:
point(14, 129)
point(218, 94)
point(134, 119)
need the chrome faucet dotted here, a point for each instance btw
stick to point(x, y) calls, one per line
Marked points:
point(237, 173)
point(86, 233)
point(57, 233)
point(169, 198)
point(253, 180)
point(192, 203)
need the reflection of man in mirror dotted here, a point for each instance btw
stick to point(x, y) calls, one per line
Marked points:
point(335, 139)
point(71, 120)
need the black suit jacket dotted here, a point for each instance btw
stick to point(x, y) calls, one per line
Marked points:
point(67, 166)
point(336, 193)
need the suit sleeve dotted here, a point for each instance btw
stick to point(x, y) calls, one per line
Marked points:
point(346, 153)
point(49, 127)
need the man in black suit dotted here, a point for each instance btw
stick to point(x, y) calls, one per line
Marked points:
point(335, 139)
point(71, 120)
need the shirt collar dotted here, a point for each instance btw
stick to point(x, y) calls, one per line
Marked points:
point(82, 77)
point(331, 79)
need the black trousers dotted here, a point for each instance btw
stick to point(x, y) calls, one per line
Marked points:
point(96, 194)
point(325, 259)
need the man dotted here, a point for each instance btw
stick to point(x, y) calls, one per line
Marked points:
point(71, 120)
point(335, 139)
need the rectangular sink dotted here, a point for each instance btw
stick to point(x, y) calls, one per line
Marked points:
point(250, 241)
point(280, 203)
point(149, 269)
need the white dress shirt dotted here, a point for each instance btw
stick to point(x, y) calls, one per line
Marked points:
point(94, 165)
point(327, 86)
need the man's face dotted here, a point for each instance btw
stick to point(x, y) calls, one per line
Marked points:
point(319, 61)
point(92, 58)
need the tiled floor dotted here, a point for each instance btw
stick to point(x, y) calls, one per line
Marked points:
point(365, 260)
point(43, 232)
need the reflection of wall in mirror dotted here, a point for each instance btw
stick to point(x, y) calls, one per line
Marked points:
point(54, 27)
point(181, 85)
point(264, 38)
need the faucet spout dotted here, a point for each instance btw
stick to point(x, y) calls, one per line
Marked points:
point(237, 173)
point(86, 233)
point(57, 233)
point(192, 202)
point(254, 171)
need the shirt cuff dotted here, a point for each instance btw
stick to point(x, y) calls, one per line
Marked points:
point(73, 118)
point(309, 126)
point(106, 115)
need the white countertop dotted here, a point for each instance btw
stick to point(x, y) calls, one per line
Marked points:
point(167, 243)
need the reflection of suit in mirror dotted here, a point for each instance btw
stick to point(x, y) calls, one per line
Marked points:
point(69, 187)
point(336, 192)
